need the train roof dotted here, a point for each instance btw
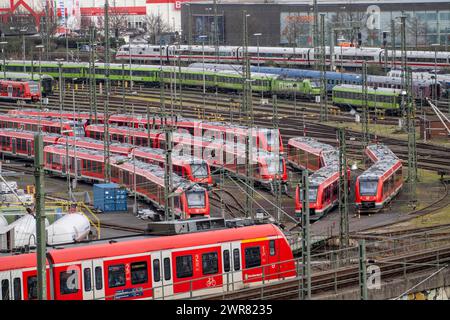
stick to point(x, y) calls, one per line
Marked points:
point(354, 87)
point(384, 159)
point(18, 75)
point(323, 174)
point(312, 143)
point(183, 158)
point(32, 133)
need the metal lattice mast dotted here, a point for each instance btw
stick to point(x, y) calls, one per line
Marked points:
point(343, 191)
point(278, 180)
point(216, 35)
point(412, 151)
point(107, 93)
point(168, 183)
point(323, 84)
point(306, 238)
point(247, 112)
point(41, 238)
point(315, 32)
point(404, 66)
point(365, 109)
point(393, 44)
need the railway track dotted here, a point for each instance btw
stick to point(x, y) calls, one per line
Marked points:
point(332, 281)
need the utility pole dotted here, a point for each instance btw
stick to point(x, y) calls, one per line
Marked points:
point(393, 44)
point(107, 93)
point(411, 125)
point(306, 238)
point(365, 109)
point(343, 191)
point(61, 88)
point(323, 84)
point(47, 31)
point(315, 32)
point(278, 177)
point(168, 183)
point(404, 65)
point(362, 270)
point(247, 112)
point(41, 236)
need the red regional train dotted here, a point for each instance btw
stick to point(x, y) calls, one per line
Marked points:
point(189, 167)
point(190, 199)
point(50, 125)
point(379, 184)
point(266, 139)
point(267, 167)
point(18, 143)
point(309, 154)
point(20, 90)
point(169, 267)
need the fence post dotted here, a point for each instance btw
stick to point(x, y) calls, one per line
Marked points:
point(190, 285)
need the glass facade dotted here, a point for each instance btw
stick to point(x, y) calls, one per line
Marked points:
point(423, 27)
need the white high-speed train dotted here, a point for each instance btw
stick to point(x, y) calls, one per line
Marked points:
point(347, 57)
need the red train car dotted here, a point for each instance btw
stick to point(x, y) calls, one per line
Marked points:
point(309, 154)
point(20, 90)
point(189, 167)
point(267, 167)
point(264, 139)
point(18, 143)
point(155, 268)
point(306, 153)
point(379, 184)
point(189, 199)
point(50, 125)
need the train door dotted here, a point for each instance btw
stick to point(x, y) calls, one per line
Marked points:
point(10, 91)
point(11, 285)
point(14, 146)
point(236, 264)
point(157, 275)
point(78, 168)
point(29, 148)
point(86, 280)
point(227, 267)
point(167, 274)
point(99, 281)
point(5, 285)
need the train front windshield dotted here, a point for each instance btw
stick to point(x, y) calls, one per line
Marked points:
point(274, 166)
point(34, 88)
point(312, 194)
point(199, 170)
point(368, 187)
point(195, 199)
point(78, 128)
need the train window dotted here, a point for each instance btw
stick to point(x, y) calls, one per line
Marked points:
point(272, 247)
point(32, 287)
point(17, 287)
point(252, 257)
point(226, 260)
point(116, 275)
point(98, 278)
point(236, 260)
point(156, 270)
point(68, 282)
point(87, 279)
point(184, 266)
point(167, 274)
point(139, 273)
point(5, 289)
point(210, 263)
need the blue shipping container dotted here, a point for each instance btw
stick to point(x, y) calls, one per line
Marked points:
point(109, 197)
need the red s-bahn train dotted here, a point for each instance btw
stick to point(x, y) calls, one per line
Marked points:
point(189, 199)
point(323, 160)
point(18, 143)
point(189, 167)
point(379, 184)
point(267, 167)
point(154, 268)
point(50, 125)
point(20, 90)
point(265, 139)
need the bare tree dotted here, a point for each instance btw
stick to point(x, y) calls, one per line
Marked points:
point(416, 29)
point(154, 26)
point(295, 27)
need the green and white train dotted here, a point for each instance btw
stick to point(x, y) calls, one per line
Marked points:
point(351, 96)
point(194, 77)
